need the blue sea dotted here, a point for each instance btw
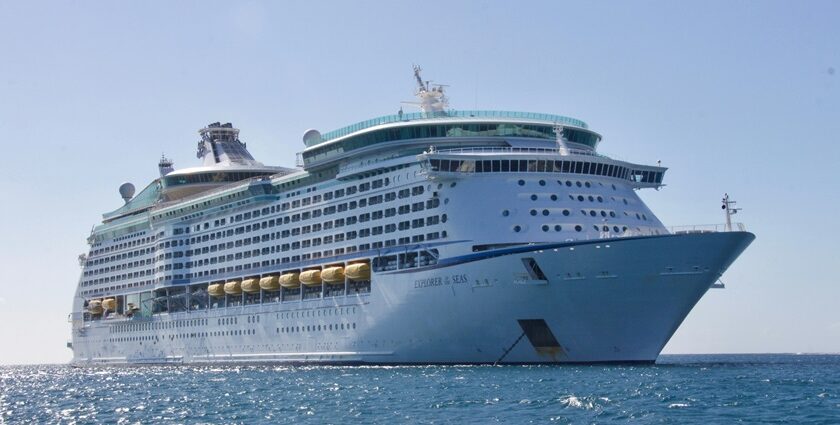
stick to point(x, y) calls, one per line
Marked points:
point(683, 389)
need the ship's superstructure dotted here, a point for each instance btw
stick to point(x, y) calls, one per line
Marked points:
point(434, 237)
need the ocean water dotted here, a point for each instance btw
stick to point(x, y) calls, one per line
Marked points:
point(681, 389)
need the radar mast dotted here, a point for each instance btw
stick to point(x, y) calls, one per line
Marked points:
point(432, 100)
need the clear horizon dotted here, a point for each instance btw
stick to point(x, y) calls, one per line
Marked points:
point(737, 97)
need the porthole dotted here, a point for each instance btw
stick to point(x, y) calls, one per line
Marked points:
point(453, 184)
point(638, 217)
point(600, 199)
point(591, 198)
point(542, 182)
point(553, 197)
point(587, 184)
point(615, 229)
point(644, 217)
point(557, 228)
point(578, 184)
point(572, 197)
point(440, 186)
point(521, 182)
point(612, 214)
point(568, 183)
point(545, 228)
point(625, 201)
point(443, 218)
point(603, 213)
point(593, 213)
point(445, 201)
point(534, 197)
point(545, 212)
point(533, 212)
point(566, 213)
point(578, 228)
point(505, 213)
point(517, 229)
point(613, 186)
point(606, 228)
point(595, 226)
point(580, 198)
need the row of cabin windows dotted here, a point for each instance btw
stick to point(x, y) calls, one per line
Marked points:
point(373, 200)
point(308, 243)
point(118, 257)
point(120, 246)
point(543, 166)
point(337, 223)
point(361, 203)
point(118, 287)
point(313, 228)
point(418, 238)
point(373, 215)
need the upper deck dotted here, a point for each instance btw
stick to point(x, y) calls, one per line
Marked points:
point(457, 126)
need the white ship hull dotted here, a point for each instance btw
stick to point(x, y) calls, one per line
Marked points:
point(610, 300)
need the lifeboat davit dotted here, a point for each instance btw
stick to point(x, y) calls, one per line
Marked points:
point(234, 287)
point(333, 275)
point(290, 280)
point(95, 307)
point(109, 304)
point(216, 290)
point(311, 278)
point(270, 283)
point(358, 271)
point(251, 286)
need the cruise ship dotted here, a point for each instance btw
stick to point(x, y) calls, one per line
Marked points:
point(433, 237)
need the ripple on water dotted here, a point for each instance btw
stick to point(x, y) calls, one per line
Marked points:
point(682, 389)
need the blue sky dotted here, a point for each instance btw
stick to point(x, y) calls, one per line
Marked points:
point(733, 96)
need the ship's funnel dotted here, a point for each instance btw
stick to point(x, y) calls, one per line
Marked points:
point(220, 145)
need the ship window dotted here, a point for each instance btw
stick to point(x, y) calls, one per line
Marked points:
point(533, 212)
point(517, 228)
point(545, 228)
point(578, 228)
point(533, 197)
point(521, 182)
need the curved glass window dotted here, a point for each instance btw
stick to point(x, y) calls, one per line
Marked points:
point(468, 129)
point(211, 177)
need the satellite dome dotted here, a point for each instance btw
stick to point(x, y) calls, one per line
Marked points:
point(311, 137)
point(127, 191)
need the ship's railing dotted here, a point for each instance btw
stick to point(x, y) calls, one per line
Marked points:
point(452, 114)
point(553, 151)
point(706, 228)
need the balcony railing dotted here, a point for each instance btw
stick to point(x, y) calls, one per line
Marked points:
point(706, 228)
point(452, 114)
